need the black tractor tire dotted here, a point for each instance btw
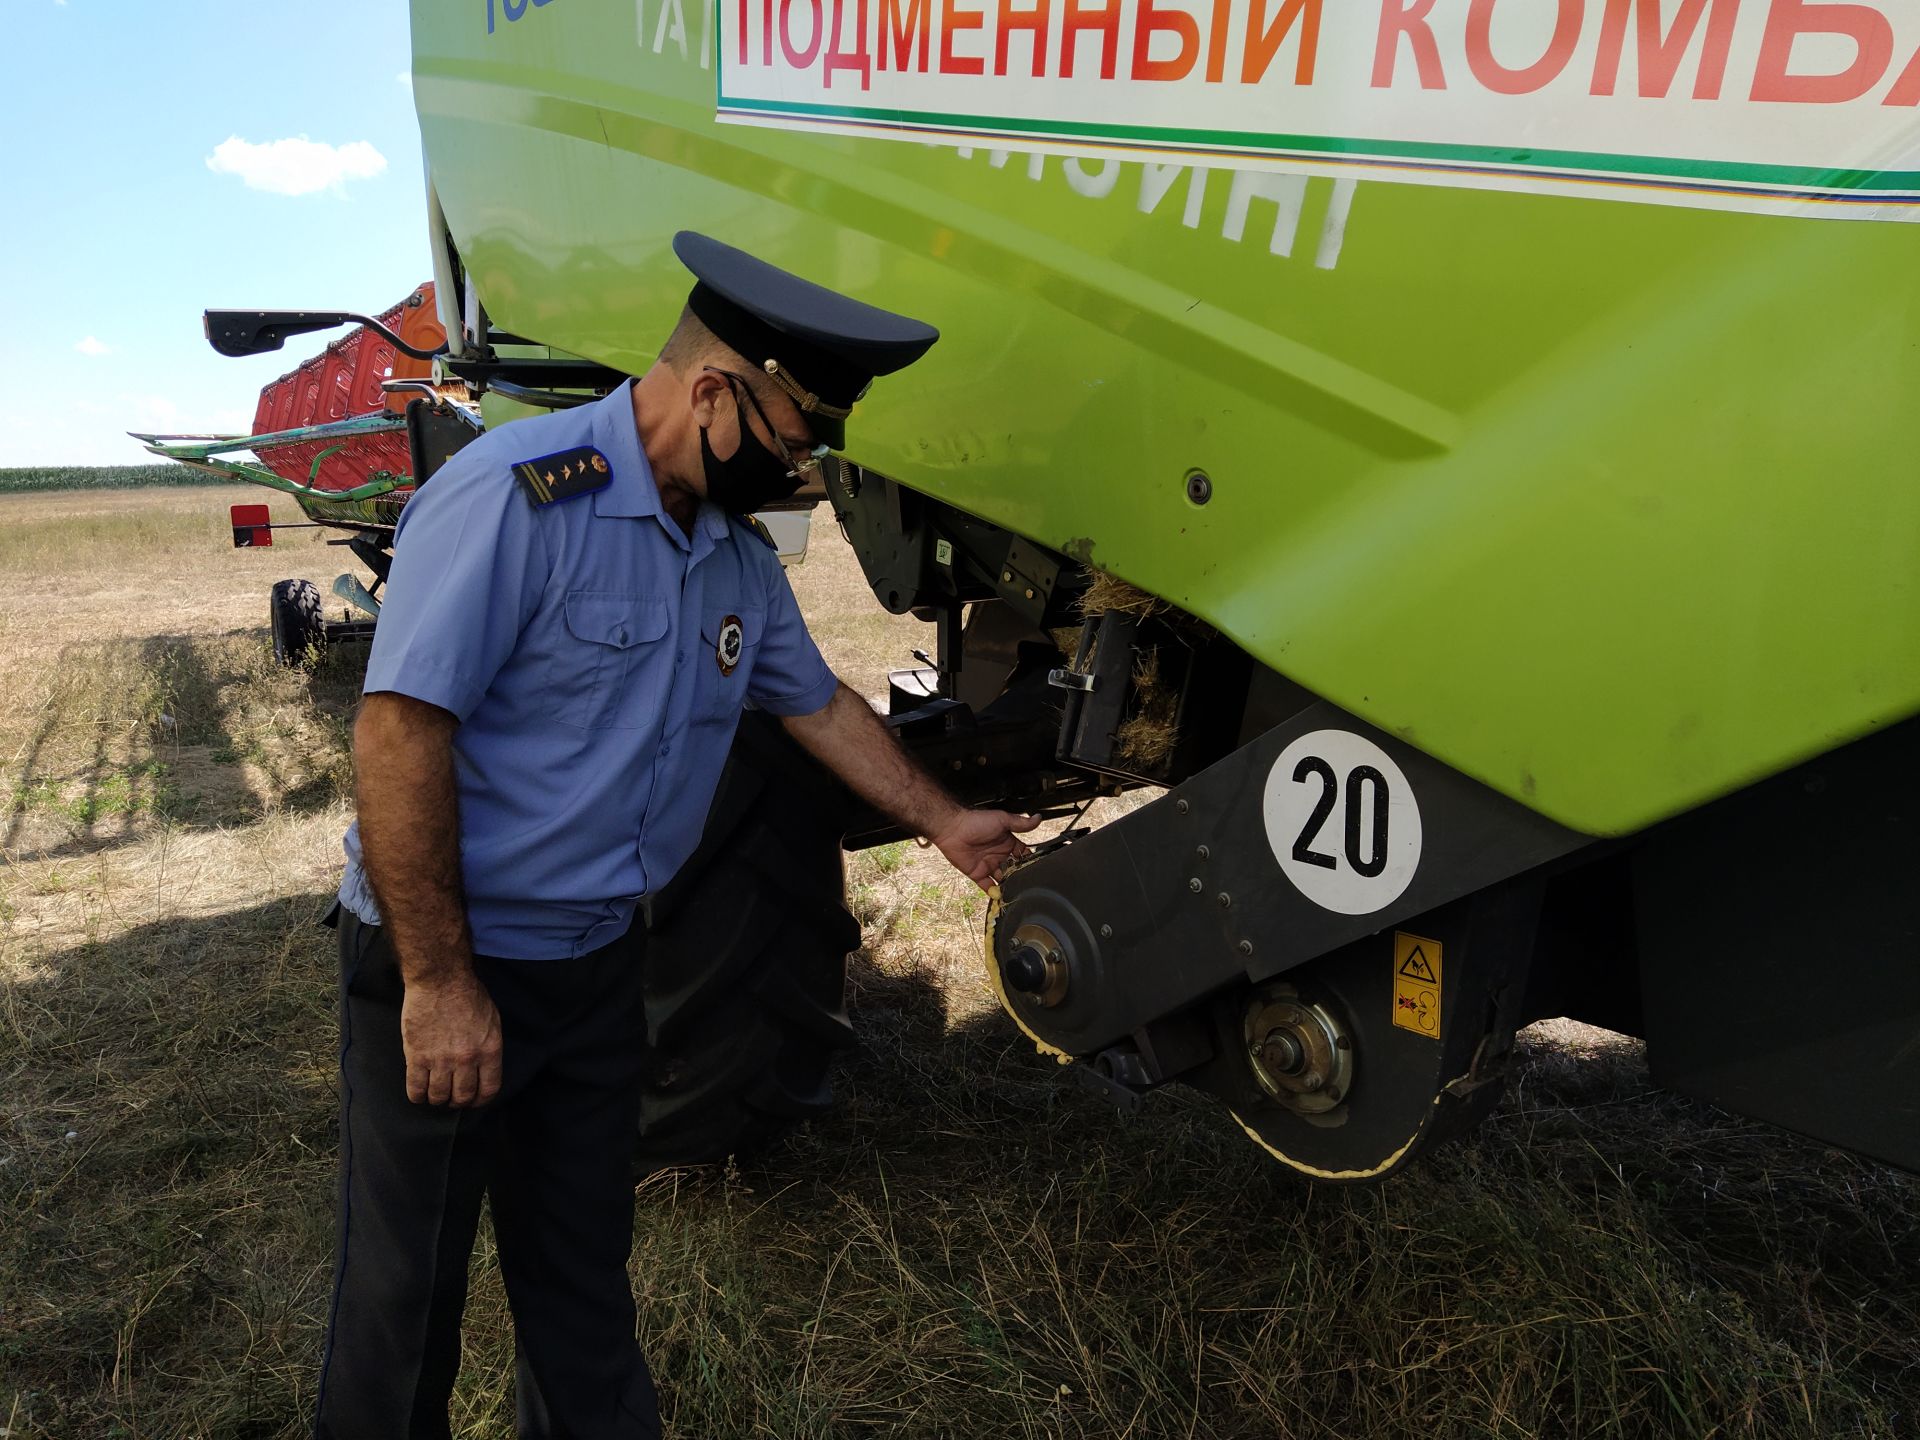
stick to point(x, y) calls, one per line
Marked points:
point(299, 629)
point(746, 962)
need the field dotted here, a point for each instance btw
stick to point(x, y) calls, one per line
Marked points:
point(971, 1246)
point(28, 480)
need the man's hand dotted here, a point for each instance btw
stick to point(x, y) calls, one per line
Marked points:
point(848, 738)
point(979, 842)
point(410, 840)
point(451, 1031)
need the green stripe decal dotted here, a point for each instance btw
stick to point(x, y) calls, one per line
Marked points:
point(1526, 161)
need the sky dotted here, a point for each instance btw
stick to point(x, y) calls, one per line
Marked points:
point(158, 157)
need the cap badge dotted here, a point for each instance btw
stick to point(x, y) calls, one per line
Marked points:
point(732, 639)
point(809, 403)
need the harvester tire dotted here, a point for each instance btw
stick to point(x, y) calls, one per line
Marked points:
point(746, 962)
point(299, 628)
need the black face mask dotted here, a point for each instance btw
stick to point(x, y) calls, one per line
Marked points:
point(750, 478)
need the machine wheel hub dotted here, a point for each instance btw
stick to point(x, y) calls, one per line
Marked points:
point(1300, 1053)
point(1036, 966)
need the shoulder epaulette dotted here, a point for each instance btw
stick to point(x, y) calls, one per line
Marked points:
point(549, 479)
point(759, 531)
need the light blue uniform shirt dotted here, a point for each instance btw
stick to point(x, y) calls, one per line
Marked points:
point(578, 645)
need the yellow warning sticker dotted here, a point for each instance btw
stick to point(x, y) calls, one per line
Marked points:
point(1416, 984)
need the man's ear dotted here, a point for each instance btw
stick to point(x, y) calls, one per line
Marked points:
point(703, 395)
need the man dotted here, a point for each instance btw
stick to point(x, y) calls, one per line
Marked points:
point(575, 617)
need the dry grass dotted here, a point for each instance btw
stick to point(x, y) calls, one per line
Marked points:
point(972, 1246)
point(1110, 593)
point(1146, 739)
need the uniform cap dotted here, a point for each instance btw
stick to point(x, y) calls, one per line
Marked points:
point(823, 348)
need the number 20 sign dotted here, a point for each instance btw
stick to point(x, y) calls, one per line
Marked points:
point(1342, 821)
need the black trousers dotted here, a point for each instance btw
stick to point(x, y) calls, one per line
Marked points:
point(552, 1156)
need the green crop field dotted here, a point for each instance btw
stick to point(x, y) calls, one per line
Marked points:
point(32, 479)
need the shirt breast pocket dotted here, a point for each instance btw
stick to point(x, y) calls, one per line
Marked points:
point(729, 640)
point(611, 640)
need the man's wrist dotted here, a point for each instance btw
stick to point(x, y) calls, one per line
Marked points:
point(945, 820)
point(437, 967)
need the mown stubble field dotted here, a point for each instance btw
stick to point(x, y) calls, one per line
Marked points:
point(972, 1246)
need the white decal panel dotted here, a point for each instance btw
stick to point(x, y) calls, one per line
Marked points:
point(1772, 105)
point(1343, 822)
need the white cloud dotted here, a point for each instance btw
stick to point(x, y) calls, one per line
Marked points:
point(150, 414)
point(405, 77)
point(298, 166)
point(161, 415)
point(91, 346)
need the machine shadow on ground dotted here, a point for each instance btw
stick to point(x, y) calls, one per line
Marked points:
point(195, 731)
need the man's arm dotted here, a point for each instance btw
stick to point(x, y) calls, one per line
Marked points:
point(848, 738)
point(410, 845)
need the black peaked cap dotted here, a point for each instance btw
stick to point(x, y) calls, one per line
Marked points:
point(826, 346)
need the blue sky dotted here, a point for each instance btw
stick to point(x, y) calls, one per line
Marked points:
point(141, 181)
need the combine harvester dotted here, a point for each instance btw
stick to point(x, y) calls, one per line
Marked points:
point(345, 434)
point(1464, 453)
point(335, 435)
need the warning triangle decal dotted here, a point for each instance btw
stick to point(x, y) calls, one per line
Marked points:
point(1415, 967)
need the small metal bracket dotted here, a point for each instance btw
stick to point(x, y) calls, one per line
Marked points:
point(1064, 679)
point(1126, 1097)
point(1093, 714)
point(1027, 578)
point(1489, 1064)
point(349, 589)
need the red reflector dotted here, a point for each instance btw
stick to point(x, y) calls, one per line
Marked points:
point(251, 525)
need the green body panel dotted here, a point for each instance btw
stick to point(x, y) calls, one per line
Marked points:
point(1609, 505)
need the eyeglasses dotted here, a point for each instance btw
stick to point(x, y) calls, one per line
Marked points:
point(803, 465)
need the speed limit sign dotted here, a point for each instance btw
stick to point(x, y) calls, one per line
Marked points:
point(1343, 822)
